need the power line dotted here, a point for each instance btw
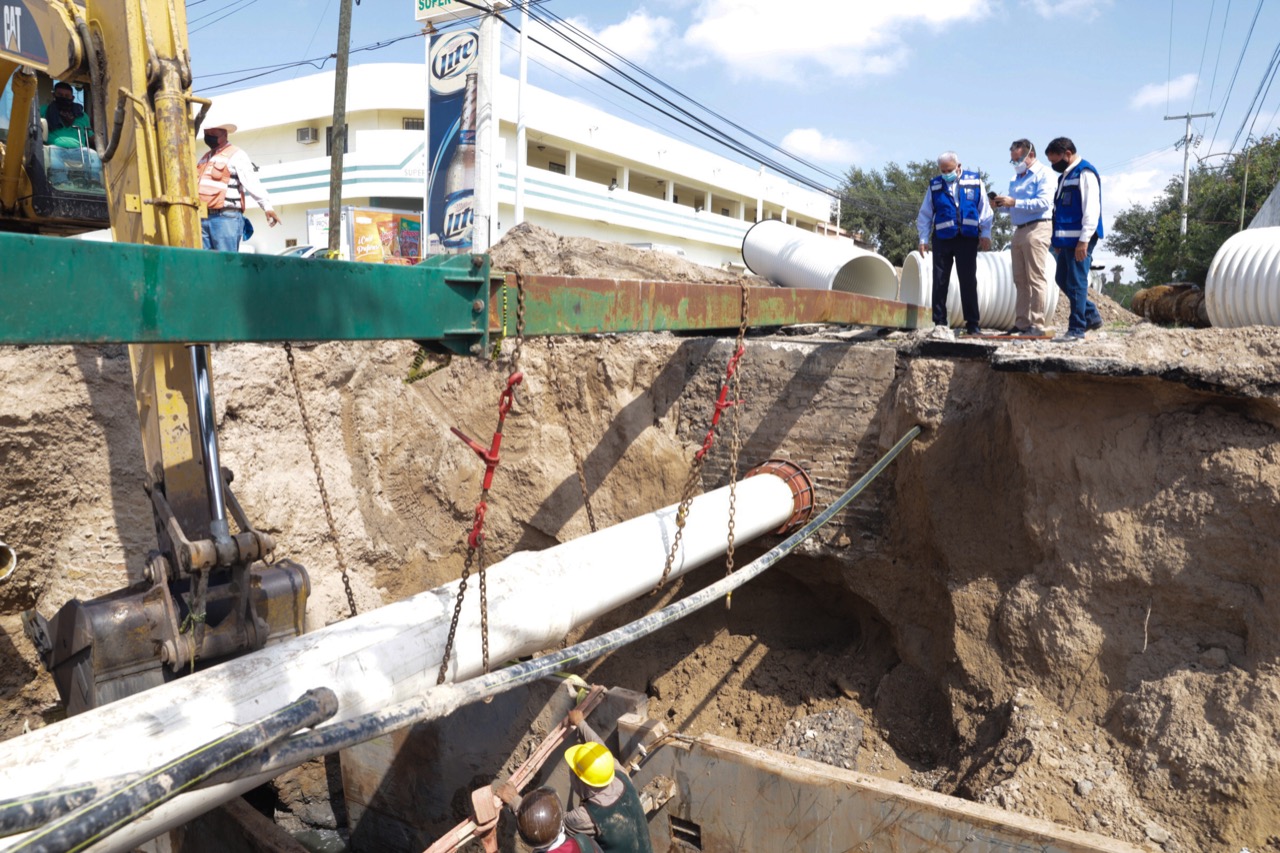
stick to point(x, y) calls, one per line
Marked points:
point(245, 4)
point(1259, 96)
point(1168, 74)
point(1227, 98)
point(1203, 50)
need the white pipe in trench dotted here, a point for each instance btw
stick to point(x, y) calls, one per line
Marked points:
point(383, 656)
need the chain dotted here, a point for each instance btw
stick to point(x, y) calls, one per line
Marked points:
point(457, 611)
point(475, 539)
point(502, 332)
point(695, 468)
point(568, 426)
point(315, 462)
point(736, 444)
point(417, 374)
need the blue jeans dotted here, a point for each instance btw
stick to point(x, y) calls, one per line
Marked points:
point(1073, 281)
point(222, 230)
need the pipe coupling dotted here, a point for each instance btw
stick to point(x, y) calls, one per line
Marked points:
point(801, 490)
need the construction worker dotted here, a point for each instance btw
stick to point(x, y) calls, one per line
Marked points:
point(540, 822)
point(227, 181)
point(609, 808)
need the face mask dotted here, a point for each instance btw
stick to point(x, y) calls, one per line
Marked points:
point(1060, 166)
point(211, 141)
point(950, 177)
point(1021, 166)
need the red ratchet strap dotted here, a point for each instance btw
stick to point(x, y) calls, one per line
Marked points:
point(722, 403)
point(490, 455)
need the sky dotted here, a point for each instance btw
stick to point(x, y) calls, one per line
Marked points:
point(848, 82)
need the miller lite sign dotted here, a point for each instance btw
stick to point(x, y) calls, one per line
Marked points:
point(454, 59)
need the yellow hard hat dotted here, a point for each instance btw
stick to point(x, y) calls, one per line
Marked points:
point(591, 762)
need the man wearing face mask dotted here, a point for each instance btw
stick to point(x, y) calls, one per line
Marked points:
point(1077, 227)
point(1030, 207)
point(63, 103)
point(227, 178)
point(955, 211)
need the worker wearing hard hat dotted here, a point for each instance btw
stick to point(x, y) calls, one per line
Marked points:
point(540, 822)
point(609, 808)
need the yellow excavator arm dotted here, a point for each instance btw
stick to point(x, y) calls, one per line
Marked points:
point(202, 600)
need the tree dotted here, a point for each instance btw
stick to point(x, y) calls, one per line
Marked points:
point(1150, 233)
point(883, 205)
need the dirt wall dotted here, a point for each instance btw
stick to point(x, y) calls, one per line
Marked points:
point(1055, 601)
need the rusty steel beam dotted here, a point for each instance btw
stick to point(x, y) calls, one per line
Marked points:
point(565, 305)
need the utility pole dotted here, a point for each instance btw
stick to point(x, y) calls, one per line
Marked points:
point(339, 143)
point(1186, 162)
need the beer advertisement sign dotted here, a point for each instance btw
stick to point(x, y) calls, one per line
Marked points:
point(451, 189)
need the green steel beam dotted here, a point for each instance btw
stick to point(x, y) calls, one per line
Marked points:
point(558, 305)
point(61, 291)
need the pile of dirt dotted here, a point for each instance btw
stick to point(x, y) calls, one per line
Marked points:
point(531, 250)
point(1055, 601)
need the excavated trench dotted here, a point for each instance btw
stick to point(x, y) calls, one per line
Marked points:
point(1059, 600)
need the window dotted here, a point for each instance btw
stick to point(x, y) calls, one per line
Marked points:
point(413, 123)
point(558, 168)
point(328, 141)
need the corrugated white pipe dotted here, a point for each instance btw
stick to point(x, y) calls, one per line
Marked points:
point(997, 297)
point(791, 257)
point(1243, 285)
point(381, 657)
point(8, 561)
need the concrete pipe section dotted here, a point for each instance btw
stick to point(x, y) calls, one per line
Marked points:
point(1243, 285)
point(997, 297)
point(791, 257)
point(387, 655)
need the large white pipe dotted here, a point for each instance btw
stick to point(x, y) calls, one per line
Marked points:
point(1243, 285)
point(792, 257)
point(384, 656)
point(8, 561)
point(997, 296)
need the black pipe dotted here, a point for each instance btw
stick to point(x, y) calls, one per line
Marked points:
point(104, 815)
point(443, 699)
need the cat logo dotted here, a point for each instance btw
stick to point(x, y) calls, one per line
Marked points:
point(13, 29)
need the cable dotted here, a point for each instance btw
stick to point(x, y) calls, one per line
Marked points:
point(245, 5)
point(1200, 70)
point(1227, 99)
point(1168, 74)
point(1259, 96)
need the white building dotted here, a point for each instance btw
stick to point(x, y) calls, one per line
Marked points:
point(668, 193)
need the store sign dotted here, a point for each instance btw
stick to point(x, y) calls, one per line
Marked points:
point(441, 10)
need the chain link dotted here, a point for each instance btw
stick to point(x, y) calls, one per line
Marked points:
point(324, 493)
point(732, 383)
point(475, 541)
point(552, 363)
point(736, 444)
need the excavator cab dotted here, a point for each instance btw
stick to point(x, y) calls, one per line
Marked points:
point(62, 167)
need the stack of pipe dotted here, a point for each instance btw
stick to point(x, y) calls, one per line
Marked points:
point(1180, 304)
point(997, 297)
point(791, 257)
point(1243, 285)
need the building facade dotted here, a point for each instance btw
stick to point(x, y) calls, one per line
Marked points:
point(588, 173)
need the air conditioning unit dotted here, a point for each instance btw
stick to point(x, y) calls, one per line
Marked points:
point(308, 135)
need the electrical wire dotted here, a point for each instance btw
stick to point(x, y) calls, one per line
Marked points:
point(691, 100)
point(1200, 70)
point(1222, 38)
point(1168, 74)
point(1227, 98)
point(1259, 97)
point(245, 5)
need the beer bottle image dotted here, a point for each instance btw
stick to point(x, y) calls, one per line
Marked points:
point(460, 180)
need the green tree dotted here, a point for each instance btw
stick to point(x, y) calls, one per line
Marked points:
point(883, 204)
point(1150, 233)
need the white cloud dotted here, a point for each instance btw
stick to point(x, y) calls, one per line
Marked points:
point(813, 144)
point(1156, 93)
point(754, 39)
point(639, 37)
point(1085, 9)
point(1142, 184)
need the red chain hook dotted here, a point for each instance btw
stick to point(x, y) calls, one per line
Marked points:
point(489, 455)
point(722, 403)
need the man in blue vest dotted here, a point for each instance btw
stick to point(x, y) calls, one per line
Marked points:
point(957, 213)
point(1077, 227)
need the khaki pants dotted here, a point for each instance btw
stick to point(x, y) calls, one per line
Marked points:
point(1030, 254)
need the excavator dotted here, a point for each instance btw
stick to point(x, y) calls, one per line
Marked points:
point(207, 594)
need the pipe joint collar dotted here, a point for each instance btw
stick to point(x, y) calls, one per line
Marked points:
point(801, 490)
